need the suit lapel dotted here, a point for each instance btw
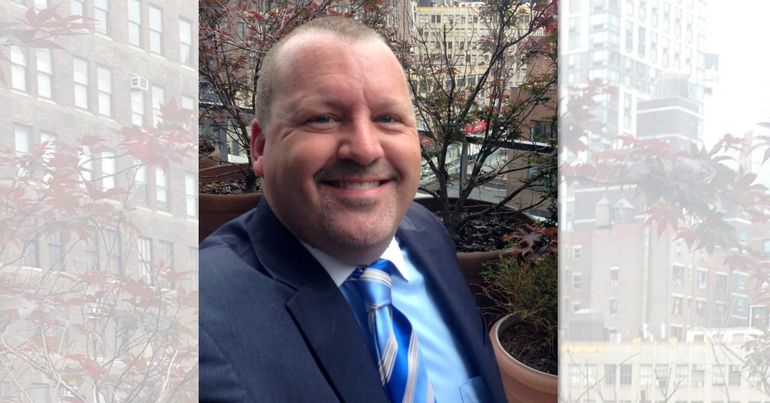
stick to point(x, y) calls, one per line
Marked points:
point(319, 310)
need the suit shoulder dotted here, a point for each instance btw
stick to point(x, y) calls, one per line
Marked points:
point(419, 214)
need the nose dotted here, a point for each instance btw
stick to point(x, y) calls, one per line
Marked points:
point(361, 143)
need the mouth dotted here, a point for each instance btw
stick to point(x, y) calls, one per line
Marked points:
point(355, 185)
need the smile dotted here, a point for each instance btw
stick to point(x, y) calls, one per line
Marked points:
point(356, 185)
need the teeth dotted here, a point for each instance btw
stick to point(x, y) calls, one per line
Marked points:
point(357, 185)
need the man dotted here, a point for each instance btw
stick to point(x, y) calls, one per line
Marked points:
point(285, 312)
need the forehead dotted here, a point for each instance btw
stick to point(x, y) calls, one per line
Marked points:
point(323, 70)
point(310, 51)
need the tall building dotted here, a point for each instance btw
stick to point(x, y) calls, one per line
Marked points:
point(627, 44)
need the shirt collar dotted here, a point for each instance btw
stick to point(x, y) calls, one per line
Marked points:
point(339, 272)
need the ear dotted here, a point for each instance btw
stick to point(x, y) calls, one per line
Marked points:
point(257, 148)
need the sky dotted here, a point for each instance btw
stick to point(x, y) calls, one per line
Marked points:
point(739, 32)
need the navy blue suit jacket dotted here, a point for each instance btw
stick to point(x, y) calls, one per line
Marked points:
point(275, 328)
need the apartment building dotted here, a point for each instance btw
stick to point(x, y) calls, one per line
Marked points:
point(113, 103)
point(709, 368)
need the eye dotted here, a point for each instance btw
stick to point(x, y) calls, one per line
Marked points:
point(386, 119)
point(321, 119)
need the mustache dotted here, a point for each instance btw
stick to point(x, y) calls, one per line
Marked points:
point(350, 169)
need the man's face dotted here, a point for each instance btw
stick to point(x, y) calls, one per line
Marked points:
point(340, 156)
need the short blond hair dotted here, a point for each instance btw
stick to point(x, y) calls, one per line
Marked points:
point(340, 27)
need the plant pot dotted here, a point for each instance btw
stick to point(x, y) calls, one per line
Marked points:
point(216, 210)
point(485, 232)
point(522, 383)
point(225, 172)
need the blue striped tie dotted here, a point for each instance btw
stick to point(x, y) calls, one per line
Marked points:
point(402, 371)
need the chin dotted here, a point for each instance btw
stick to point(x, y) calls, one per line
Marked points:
point(365, 232)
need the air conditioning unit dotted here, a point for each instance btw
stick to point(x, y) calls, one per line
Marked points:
point(138, 83)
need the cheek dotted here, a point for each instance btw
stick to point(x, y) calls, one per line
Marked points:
point(297, 162)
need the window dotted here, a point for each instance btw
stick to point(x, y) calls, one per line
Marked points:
point(609, 374)
point(123, 331)
point(721, 284)
point(702, 278)
point(161, 189)
point(676, 332)
point(158, 100)
point(185, 42)
point(625, 374)
point(575, 374)
point(44, 73)
point(48, 142)
point(137, 108)
point(718, 374)
point(740, 280)
point(22, 140)
point(677, 274)
point(55, 252)
point(698, 374)
point(661, 375)
point(156, 30)
point(78, 7)
point(22, 145)
point(40, 4)
point(734, 376)
point(80, 78)
point(104, 91)
point(144, 247)
point(92, 252)
point(187, 103)
point(676, 305)
point(576, 281)
point(101, 16)
point(614, 276)
point(85, 165)
point(18, 68)
point(108, 170)
point(682, 371)
point(613, 306)
point(700, 308)
point(135, 22)
point(720, 310)
point(140, 180)
point(166, 256)
point(577, 252)
point(31, 254)
point(739, 306)
point(590, 374)
point(645, 375)
point(191, 195)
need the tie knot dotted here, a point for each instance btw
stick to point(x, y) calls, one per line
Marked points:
point(374, 283)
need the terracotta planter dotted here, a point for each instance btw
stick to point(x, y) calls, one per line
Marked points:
point(522, 383)
point(218, 173)
point(216, 210)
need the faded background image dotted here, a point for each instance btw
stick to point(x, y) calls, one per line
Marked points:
point(664, 201)
point(98, 201)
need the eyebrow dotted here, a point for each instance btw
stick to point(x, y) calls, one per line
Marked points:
point(303, 106)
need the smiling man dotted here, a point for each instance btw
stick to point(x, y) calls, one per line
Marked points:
point(337, 287)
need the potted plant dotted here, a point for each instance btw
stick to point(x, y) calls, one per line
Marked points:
point(522, 287)
point(223, 196)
